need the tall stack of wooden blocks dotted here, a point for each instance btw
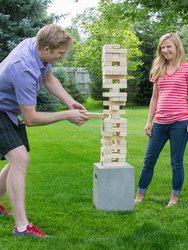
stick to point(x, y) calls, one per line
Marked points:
point(113, 178)
point(114, 128)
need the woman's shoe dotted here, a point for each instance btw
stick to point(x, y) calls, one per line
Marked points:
point(171, 204)
point(139, 198)
point(136, 201)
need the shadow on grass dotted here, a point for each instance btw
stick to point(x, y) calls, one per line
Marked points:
point(146, 237)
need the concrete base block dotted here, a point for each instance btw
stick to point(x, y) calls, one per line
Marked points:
point(113, 187)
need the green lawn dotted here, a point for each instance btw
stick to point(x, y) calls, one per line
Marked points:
point(59, 194)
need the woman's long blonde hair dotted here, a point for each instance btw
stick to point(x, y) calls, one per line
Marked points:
point(160, 62)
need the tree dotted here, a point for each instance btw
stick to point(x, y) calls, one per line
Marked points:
point(20, 19)
point(69, 84)
point(127, 22)
point(164, 14)
point(149, 20)
point(69, 58)
point(184, 35)
point(104, 27)
point(148, 36)
point(46, 102)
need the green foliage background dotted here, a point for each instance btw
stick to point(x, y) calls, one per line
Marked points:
point(20, 19)
point(134, 24)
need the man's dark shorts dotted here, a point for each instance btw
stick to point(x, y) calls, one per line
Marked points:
point(11, 136)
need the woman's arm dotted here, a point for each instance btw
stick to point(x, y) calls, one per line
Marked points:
point(152, 109)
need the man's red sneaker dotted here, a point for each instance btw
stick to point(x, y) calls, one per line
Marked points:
point(31, 231)
point(3, 211)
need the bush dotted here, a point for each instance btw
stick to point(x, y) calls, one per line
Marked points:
point(46, 102)
point(92, 104)
point(69, 85)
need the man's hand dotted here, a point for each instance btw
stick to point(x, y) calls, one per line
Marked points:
point(76, 116)
point(76, 105)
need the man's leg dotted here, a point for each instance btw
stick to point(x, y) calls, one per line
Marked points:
point(18, 162)
point(3, 179)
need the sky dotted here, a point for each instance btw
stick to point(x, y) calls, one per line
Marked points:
point(69, 6)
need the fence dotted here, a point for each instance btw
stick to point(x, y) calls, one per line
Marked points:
point(80, 77)
point(82, 80)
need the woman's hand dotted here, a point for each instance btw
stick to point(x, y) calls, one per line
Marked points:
point(148, 129)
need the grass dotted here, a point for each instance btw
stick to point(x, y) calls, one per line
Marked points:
point(59, 194)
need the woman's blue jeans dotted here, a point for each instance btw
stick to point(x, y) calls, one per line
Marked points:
point(177, 134)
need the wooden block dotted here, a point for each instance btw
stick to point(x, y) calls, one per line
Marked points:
point(115, 58)
point(114, 125)
point(108, 150)
point(115, 135)
point(114, 108)
point(112, 162)
point(116, 138)
point(114, 130)
point(114, 80)
point(114, 77)
point(111, 46)
point(109, 156)
point(118, 99)
point(94, 115)
point(105, 159)
point(107, 134)
point(123, 133)
point(114, 116)
point(114, 70)
point(115, 94)
point(112, 121)
point(123, 125)
point(109, 86)
point(114, 89)
point(107, 81)
point(108, 103)
point(106, 56)
point(114, 51)
point(108, 141)
point(111, 149)
point(113, 63)
point(106, 63)
point(108, 125)
point(114, 112)
point(117, 164)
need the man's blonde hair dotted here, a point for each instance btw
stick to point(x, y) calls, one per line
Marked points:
point(160, 62)
point(54, 36)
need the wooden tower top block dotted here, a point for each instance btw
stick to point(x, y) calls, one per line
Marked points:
point(111, 46)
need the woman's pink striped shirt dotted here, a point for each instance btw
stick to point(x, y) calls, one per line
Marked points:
point(173, 92)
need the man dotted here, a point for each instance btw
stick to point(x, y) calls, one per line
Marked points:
point(22, 74)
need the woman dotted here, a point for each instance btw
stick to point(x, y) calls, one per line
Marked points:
point(168, 107)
